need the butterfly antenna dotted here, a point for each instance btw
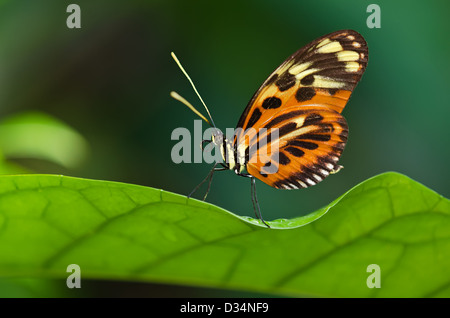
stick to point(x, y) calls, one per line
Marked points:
point(184, 101)
point(179, 98)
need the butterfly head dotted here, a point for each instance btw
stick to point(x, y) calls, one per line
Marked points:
point(217, 137)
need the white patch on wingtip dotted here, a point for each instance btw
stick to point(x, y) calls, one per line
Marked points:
point(352, 67)
point(310, 182)
point(302, 183)
point(347, 56)
point(306, 72)
point(330, 47)
point(326, 82)
point(356, 44)
point(329, 166)
point(296, 69)
point(299, 121)
point(323, 42)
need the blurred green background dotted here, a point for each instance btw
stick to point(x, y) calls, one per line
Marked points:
point(110, 82)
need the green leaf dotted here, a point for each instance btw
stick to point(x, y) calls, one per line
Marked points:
point(121, 231)
point(40, 136)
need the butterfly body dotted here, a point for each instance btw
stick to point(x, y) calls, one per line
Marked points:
point(302, 101)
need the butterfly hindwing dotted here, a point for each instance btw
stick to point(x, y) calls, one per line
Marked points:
point(306, 151)
point(317, 80)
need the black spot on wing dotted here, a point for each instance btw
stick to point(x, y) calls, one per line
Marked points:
point(272, 79)
point(305, 93)
point(283, 117)
point(294, 151)
point(303, 144)
point(256, 115)
point(285, 81)
point(315, 137)
point(283, 159)
point(332, 91)
point(271, 102)
point(286, 129)
point(312, 119)
point(307, 80)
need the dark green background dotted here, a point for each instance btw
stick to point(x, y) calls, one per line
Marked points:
point(110, 80)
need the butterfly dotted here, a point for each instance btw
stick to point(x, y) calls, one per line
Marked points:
point(301, 101)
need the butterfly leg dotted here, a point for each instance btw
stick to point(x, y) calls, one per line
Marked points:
point(202, 147)
point(209, 179)
point(255, 201)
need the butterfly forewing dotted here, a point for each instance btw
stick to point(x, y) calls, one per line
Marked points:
point(304, 96)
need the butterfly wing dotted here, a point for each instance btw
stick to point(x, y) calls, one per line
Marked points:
point(319, 78)
point(306, 150)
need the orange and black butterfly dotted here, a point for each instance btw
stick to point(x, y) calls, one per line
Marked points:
point(302, 101)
